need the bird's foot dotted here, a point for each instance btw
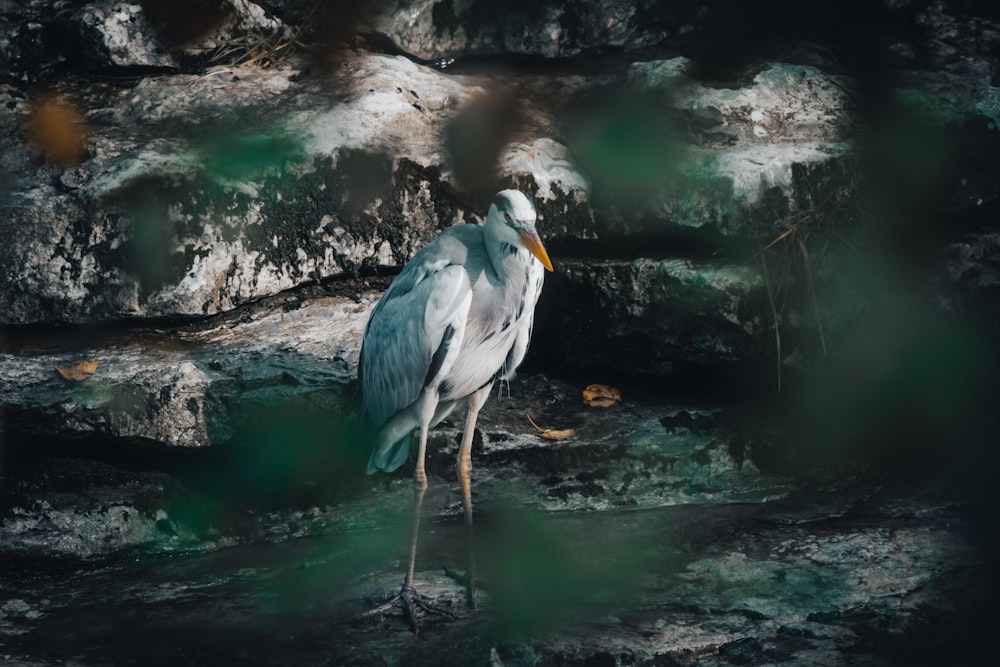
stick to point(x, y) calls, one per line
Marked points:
point(467, 580)
point(409, 600)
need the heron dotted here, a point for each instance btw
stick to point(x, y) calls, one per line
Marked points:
point(456, 319)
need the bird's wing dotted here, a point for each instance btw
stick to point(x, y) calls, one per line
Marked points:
point(418, 321)
point(525, 323)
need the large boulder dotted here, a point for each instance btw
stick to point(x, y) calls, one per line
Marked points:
point(445, 30)
point(201, 218)
point(197, 193)
point(734, 161)
point(643, 316)
point(175, 214)
point(196, 392)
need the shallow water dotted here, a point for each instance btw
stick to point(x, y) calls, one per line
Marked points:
point(694, 582)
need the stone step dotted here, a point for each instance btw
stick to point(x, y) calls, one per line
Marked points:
point(645, 315)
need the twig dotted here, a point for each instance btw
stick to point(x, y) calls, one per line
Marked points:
point(812, 292)
point(774, 314)
point(779, 237)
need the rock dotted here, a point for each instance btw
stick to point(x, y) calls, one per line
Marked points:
point(759, 152)
point(640, 454)
point(183, 225)
point(171, 214)
point(664, 156)
point(193, 388)
point(275, 386)
point(783, 103)
point(652, 313)
point(775, 602)
point(200, 219)
point(680, 585)
point(203, 237)
point(117, 34)
point(24, 43)
point(444, 31)
point(953, 32)
point(110, 34)
point(86, 509)
point(972, 265)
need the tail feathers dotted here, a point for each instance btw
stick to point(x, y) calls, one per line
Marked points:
point(389, 457)
point(392, 442)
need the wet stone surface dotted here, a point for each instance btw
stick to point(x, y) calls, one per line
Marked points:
point(695, 584)
point(668, 530)
point(663, 532)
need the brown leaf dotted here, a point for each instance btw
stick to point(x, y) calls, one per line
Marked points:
point(58, 129)
point(552, 434)
point(79, 371)
point(602, 402)
point(601, 396)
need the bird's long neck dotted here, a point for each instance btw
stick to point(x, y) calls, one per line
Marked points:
point(508, 258)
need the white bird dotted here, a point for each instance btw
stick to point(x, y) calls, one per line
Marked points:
point(457, 318)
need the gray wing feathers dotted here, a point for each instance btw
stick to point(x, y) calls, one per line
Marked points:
point(414, 336)
point(389, 458)
point(405, 336)
point(401, 341)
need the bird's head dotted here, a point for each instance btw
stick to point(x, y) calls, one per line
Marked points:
point(512, 214)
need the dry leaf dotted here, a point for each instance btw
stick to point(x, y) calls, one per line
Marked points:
point(602, 402)
point(601, 396)
point(558, 434)
point(79, 371)
point(552, 434)
point(58, 128)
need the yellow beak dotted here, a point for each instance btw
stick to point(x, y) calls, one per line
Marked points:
point(534, 245)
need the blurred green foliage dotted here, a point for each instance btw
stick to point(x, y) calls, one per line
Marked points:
point(245, 155)
point(544, 572)
point(626, 145)
point(295, 452)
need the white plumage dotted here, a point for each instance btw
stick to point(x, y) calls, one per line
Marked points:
point(457, 318)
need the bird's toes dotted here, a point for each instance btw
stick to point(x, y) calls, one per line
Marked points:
point(412, 599)
point(408, 600)
point(469, 581)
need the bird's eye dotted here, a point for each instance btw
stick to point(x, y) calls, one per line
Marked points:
point(506, 217)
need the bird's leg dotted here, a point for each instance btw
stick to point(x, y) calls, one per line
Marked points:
point(419, 488)
point(464, 466)
point(408, 598)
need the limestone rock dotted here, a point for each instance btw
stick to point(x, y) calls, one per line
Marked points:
point(972, 270)
point(648, 314)
point(443, 31)
point(760, 151)
point(194, 394)
point(117, 34)
point(186, 225)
